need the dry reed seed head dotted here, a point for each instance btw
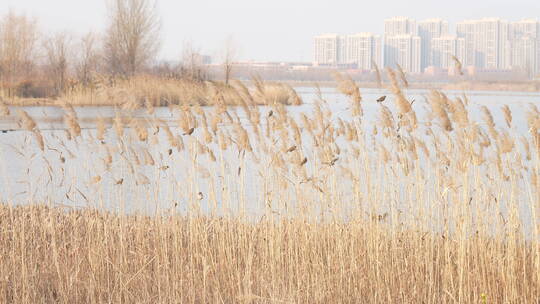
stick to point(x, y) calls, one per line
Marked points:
point(211, 154)
point(27, 123)
point(526, 146)
point(96, 179)
point(402, 76)
point(488, 119)
point(505, 142)
point(170, 137)
point(73, 125)
point(459, 113)
point(242, 138)
point(438, 107)
point(148, 158)
point(108, 159)
point(294, 98)
point(39, 139)
point(396, 90)
point(141, 179)
point(507, 115)
point(347, 86)
point(142, 132)
point(386, 118)
point(533, 119)
point(184, 121)
point(420, 143)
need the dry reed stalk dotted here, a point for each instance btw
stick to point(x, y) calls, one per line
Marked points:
point(118, 125)
point(507, 115)
point(377, 74)
point(148, 159)
point(488, 119)
point(27, 123)
point(402, 76)
point(101, 129)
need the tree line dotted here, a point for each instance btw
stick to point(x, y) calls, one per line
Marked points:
point(35, 64)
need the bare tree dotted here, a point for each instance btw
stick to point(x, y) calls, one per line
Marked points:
point(18, 36)
point(132, 37)
point(229, 55)
point(192, 66)
point(57, 53)
point(87, 58)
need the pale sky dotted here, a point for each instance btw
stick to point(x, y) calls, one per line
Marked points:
point(278, 30)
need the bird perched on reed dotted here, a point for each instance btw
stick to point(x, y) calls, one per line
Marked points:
point(190, 131)
point(381, 99)
point(291, 149)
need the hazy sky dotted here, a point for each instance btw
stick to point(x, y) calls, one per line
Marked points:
point(277, 30)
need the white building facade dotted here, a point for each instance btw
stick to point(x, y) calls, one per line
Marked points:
point(444, 48)
point(525, 46)
point(364, 50)
point(487, 44)
point(429, 30)
point(402, 45)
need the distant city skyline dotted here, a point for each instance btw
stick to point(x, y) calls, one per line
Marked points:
point(428, 45)
point(265, 31)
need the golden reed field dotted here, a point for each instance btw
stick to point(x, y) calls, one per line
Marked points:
point(434, 208)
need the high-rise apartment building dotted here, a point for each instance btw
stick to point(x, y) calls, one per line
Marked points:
point(525, 46)
point(363, 50)
point(402, 45)
point(444, 48)
point(486, 43)
point(399, 26)
point(404, 50)
point(328, 49)
point(428, 30)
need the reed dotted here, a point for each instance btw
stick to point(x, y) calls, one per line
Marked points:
point(221, 200)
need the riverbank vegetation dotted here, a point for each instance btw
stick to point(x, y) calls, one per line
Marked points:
point(232, 204)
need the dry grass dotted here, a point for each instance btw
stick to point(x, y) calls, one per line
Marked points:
point(50, 255)
point(434, 209)
point(141, 91)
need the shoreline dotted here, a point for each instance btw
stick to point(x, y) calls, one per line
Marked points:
point(457, 86)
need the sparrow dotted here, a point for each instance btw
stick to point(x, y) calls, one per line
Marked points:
point(291, 149)
point(190, 131)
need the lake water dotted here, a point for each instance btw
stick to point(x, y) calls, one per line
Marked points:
point(76, 173)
